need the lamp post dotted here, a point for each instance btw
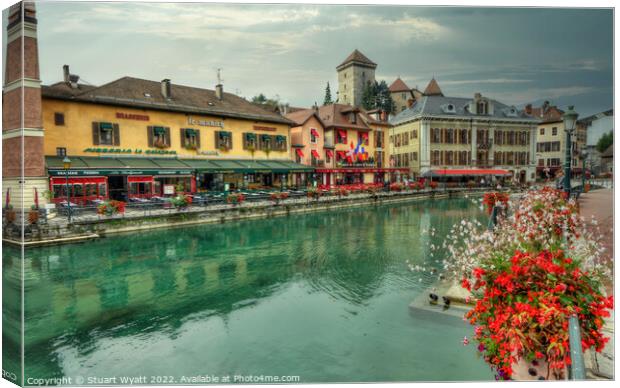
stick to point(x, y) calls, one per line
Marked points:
point(570, 119)
point(66, 163)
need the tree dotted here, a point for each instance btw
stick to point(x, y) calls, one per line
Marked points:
point(605, 141)
point(271, 103)
point(328, 96)
point(377, 95)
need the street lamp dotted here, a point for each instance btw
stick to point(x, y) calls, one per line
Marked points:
point(570, 119)
point(66, 163)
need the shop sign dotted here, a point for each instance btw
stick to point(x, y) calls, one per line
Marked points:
point(131, 116)
point(209, 153)
point(168, 189)
point(205, 123)
point(137, 151)
point(260, 128)
point(100, 172)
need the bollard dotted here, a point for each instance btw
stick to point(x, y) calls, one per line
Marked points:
point(578, 368)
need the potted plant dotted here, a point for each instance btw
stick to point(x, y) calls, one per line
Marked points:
point(49, 196)
point(277, 197)
point(313, 192)
point(111, 207)
point(396, 186)
point(9, 214)
point(33, 215)
point(433, 185)
point(235, 198)
point(181, 201)
point(490, 200)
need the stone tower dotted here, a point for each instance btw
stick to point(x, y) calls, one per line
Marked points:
point(353, 75)
point(23, 164)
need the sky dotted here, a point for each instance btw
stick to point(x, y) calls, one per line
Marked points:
point(290, 52)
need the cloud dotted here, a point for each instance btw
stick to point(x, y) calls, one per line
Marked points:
point(487, 81)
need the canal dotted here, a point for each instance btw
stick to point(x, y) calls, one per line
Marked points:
point(321, 296)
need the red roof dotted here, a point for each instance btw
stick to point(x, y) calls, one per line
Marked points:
point(433, 89)
point(399, 86)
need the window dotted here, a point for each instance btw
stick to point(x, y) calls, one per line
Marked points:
point(435, 135)
point(249, 141)
point(554, 131)
point(541, 162)
point(342, 137)
point(404, 96)
point(435, 158)
point(280, 143)
point(449, 136)
point(414, 134)
point(313, 136)
point(61, 151)
point(265, 142)
point(190, 138)
point(542, 131)
point(106, 134)
point(414, 156)
point(352, 117)
point(59, 118)
point(464, 137)
point(158, 136)
point(362, 137)
point(481, 108)
point(223, 140)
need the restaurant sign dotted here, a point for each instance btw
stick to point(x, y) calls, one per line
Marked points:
point(131, 116)
point(99, 172)
point(205, 123)
point(138, 151)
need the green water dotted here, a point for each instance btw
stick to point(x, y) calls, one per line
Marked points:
point(322, 296)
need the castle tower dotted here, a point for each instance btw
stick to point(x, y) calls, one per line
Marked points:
point(23, 164)
point(353, 75)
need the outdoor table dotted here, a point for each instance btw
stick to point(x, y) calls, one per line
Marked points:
point(71, 204)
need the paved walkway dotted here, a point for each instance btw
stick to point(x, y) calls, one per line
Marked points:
point(600, 204)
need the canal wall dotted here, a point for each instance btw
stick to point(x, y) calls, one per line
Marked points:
point(85, 230)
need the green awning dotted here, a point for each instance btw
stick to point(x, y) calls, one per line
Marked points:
point(138, 162)
point(106, 126)
point(250, 136)
point(159, 130)
point(190, 132)
point(224, 134)
point(169, 163)
point(280, 138)
point(265, 137)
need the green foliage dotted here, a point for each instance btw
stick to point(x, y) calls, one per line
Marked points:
point(328, 96)
point(605, 141)
point(377, 95)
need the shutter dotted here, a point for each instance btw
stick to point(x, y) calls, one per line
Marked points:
point(95, 133)
point(116, 135)
point(149, 135)
point(217, 137)
point(274, 145)
point(182, 137)
point(245, 141)
point(168, 143)
point(197, 138)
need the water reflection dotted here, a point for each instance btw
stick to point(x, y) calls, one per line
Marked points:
point(152, 284)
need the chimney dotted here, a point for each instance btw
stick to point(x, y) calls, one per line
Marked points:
point(73, 80)
point(528, 109)
point(166, 89)
point(219, 91)
point(477, 96)
point(65, 73)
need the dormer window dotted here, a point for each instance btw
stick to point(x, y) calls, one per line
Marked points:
point(482, 107)
point(448, 108)
point(352, 118)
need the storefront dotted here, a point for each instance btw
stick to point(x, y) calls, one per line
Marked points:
point(352, 175)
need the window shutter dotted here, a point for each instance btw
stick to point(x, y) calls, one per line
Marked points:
point(167, 136)
point(272, 140)
point(116, 135)
point(182, 137)
point(149, 135)
point(197, 138)
point(217, 138)
point(245, 141)
point(95, 133)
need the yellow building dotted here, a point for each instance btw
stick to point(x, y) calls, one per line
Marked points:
point(132, 138)
point(463, 139)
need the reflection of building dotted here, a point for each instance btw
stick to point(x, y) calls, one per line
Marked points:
point(461, 137)
point(354, 74)
point(344, 143)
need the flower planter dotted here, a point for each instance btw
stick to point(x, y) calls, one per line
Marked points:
point(536, 370)
point(9, 215)
point(33, 216)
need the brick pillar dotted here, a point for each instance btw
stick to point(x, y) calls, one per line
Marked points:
point(23, 163)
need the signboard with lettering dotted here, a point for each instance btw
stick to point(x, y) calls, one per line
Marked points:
point(168, 189)
point(261, 128)
point(205, 123)
point(112, 150)
point(131, 116)
point(100, 172)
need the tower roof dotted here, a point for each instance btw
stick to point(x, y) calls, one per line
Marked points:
point(433, 89)
point(358, 58)
point(399, 86)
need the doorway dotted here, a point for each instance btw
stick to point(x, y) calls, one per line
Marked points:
point(117, 187)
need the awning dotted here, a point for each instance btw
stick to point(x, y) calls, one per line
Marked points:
point(106, 126)
point(343, 134)
point(140, 179)
point(314, 132)
point(159, 130)
point(299, 152)
point(315, 154)
point(342, 154)
point(466, 172)
point(365, 135)
point(190, 132)
point(329, 153)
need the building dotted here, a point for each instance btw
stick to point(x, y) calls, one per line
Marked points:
point(607, 160)
point(23, 166)
point(551, 141)
point(344, 143)
point(133, 137)
point(595, 126)
point(463, 138)
point(354, 74)
point(401, 95)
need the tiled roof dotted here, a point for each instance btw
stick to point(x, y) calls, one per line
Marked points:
point(299, 117)
point(399, 86)
point(357, 57)
point(436, 106)
point(140, 93)
point(609, 152)
point(548, 114)
point(432, 89)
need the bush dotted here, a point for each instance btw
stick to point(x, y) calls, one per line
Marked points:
point(111, 207)
point(181, 201)
point(235, 198)
point(397, 186)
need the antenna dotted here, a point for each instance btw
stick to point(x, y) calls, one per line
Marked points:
point(219, 76)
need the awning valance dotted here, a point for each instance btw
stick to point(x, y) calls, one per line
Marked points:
point(106, 126)
point(466, 172)
point(315, 154)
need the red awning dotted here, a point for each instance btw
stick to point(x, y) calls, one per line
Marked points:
point(365, 135)
point(472, 172)
point(329, 153)
point(343, 134)
point(78, 180)
point(314, 132)
point(342, 154)
point(299, 152)
point(145, 179)
point(315, 154)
